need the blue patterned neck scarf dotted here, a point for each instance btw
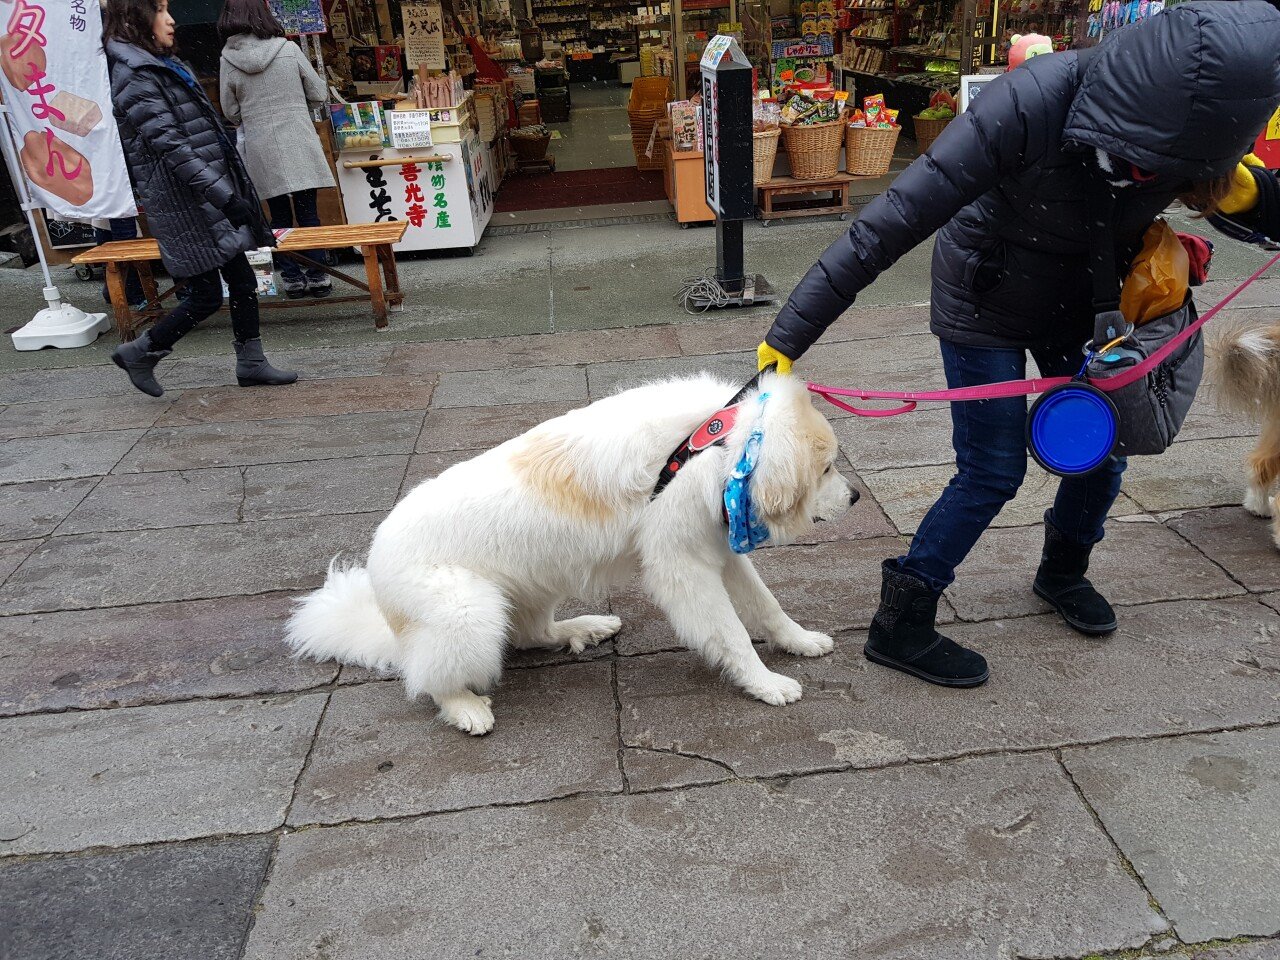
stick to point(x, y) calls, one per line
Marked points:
point(746, 530)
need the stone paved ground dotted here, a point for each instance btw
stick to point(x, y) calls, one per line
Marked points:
point(176, 786)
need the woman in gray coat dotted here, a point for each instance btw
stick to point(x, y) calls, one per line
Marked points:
point(269, 88)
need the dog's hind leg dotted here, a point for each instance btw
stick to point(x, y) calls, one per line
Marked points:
point(453, 644)
point(695, 601)
point(537, 629)
point(764, 616)
point(1263, 470)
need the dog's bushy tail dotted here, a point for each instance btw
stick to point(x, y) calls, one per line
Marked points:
point(1246, 370)
point(341, 621)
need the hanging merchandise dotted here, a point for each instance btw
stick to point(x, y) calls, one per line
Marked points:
point(299, 17)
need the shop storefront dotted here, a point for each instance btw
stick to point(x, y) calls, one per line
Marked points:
point(412, 132)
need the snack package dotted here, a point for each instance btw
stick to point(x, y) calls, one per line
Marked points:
point(1158, 278)
point(873, 107)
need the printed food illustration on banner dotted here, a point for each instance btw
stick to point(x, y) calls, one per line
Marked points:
point(55, 81)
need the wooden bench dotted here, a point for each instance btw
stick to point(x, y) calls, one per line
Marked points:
point(373, 239)
point(781, 188)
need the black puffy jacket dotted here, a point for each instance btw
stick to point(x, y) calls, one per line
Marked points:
point(1009, 185)
point(184, 166)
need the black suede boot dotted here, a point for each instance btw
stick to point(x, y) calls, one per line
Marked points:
point(1062, 583)
point(253, 369)
point(138, 359)
point(902, 635)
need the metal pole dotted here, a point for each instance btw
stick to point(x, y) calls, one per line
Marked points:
point(23, 188)
point(729, 260)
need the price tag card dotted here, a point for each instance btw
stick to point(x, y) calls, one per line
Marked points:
point(410, 129)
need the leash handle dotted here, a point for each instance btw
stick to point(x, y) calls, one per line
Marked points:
point(863, 411)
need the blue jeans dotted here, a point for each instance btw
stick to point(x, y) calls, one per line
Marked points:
point(122, 229)
point(297, 209)
point(989, 437)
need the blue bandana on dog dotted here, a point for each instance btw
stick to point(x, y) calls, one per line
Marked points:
point(746, 530)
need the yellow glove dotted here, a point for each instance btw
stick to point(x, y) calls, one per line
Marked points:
point(1244, 189)
point(767, 355)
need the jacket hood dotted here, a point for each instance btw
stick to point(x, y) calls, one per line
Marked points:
point(249, 54)
point(1184, 93)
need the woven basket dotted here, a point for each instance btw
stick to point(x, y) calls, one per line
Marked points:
point(869, 150)
point(530, 149)
point(764, 150)
point(814, 149)
point(927, 131)
point(643, 121)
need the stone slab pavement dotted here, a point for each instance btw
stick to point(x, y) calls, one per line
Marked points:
point(175, 785)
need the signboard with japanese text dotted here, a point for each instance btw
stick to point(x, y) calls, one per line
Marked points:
point(410, 129)
point(299, 17)
point(726, 119)
point(53, 74)
point(338, 15)
point(423, 35)
point(447, 203)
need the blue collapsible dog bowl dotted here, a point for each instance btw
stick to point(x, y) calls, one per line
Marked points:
point(1072, 429)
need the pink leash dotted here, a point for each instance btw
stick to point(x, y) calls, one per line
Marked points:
point(1022, 388)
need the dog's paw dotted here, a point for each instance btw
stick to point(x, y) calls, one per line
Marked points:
point(1257, 502)
point(775, 689)
point(805, 643)
point(580, 633)
point(471, 714)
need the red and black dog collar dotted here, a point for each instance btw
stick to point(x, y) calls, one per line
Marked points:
point(710, 434)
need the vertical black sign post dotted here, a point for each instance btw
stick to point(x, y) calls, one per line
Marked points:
point(727, 155)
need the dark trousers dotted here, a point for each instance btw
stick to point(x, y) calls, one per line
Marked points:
point(296, 210)
point(125, 228)
point(204, 298)
point(989, 437)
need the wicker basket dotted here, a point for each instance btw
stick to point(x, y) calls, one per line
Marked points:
point(530, 149)
point(869, 150)
point(927, 131)
point(643, 120)
point(764, 147)
point(814, 149)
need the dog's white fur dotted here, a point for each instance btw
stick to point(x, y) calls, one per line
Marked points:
point(1246, 373)
point(486, 552)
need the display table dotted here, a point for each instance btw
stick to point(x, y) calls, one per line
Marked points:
point(443, 192)
point(684, 178)
point(809, 204)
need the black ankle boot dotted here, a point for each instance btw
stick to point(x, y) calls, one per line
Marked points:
point(138, 359)
point(253, 369)
point(1061, 582)
point(902, 635)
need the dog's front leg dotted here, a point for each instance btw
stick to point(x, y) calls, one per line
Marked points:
point(764, 616)
point(695, 601)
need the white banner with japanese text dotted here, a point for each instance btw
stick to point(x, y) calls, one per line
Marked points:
point(59, 98)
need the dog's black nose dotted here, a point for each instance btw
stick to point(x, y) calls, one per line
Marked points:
point(854, 496)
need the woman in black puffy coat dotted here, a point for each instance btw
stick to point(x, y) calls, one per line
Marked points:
point(200, 206)
point(1162, 109)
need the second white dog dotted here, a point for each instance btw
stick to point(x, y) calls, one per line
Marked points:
point(484, 554)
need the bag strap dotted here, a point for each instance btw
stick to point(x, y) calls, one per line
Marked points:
point(1108, 322)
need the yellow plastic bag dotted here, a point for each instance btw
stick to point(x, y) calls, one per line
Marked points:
point(1158, 279)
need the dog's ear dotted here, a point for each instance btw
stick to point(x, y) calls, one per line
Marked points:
point(796, 448)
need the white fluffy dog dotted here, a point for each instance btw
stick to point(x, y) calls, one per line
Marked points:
point(484, 554)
